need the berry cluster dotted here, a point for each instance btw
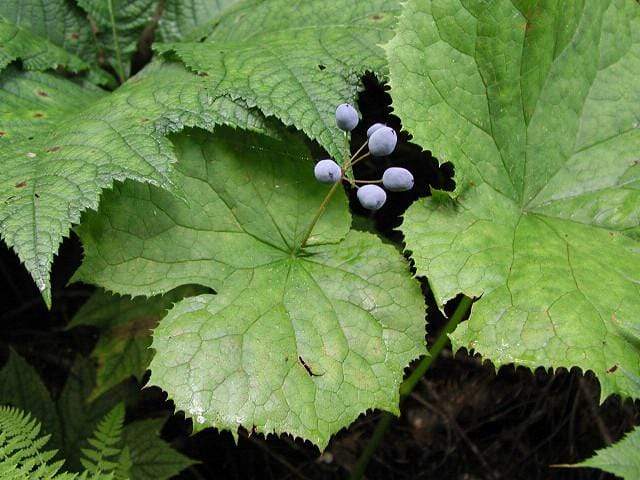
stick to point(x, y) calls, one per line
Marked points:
point(381, 141)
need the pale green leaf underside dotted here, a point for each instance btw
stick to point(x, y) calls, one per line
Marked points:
point(36, 53)
point(346, 306)
point(61, 144)
point(295, 60)
point(537, 106)
point(622, 458)
point(125, 327)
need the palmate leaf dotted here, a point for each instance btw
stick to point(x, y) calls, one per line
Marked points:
point(295, 60)
point(36, 53)
point(536, 104)
point(297, 341)
point(125, 327)
point(61, 144)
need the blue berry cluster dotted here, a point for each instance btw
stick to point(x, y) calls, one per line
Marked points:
point(381, 141)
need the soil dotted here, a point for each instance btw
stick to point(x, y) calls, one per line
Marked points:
point(465, 420)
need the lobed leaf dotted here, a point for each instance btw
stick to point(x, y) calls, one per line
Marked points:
point(297, 340)
point(537, 106)
point(61, 144)
point(295, 61)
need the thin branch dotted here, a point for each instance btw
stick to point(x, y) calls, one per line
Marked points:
point(116, 44)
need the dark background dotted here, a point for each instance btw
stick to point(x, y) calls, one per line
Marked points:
point(464, 421)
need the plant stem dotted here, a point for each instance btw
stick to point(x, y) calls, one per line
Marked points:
point(361, 157)
point(318, 214)
point(368, 181)
point(408, 385)
point(346, 164)
point(116, 44)
point(349, 165)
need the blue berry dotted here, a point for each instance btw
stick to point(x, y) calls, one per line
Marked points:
point(327, 171)
point(372, 197)
point(396, 179)
point(374, 127)
point(346, 117)
point(382, 141)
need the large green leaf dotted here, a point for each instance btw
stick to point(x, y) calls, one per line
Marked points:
point(296, 340)
point(181, 17)
point(61, 144)
point(295, 61)
point(36, 53)
point(125, 327)
point(536, 104)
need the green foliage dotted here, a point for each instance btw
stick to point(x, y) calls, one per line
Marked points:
point(35, 52)
point(21, 454)
point(181, 17)
point(21, 387)
point(622, 458)
point(63, 143)
point(22, 457)
point(297, 63)
point(125, 332)
point(538, 110)
point(152, 458)
point(57, 23)
point(105, 446)
point(71, 418)
point(120, 24)
point(297, 341)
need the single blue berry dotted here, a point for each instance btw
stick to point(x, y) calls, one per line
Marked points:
point(396, 179)
point(372, 197)
point(327, 171)
point(374, 127)
point(382, 141)
point(346, 117)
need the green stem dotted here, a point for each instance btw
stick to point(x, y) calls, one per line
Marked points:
point(368, 181)
point(319, 213)
point(408, 385)
point(361, 157)
point(349, 163)
point(346, 164)
point(116, 44)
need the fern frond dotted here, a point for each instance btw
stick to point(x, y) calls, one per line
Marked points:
point(21, 454)
point(106, 460)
